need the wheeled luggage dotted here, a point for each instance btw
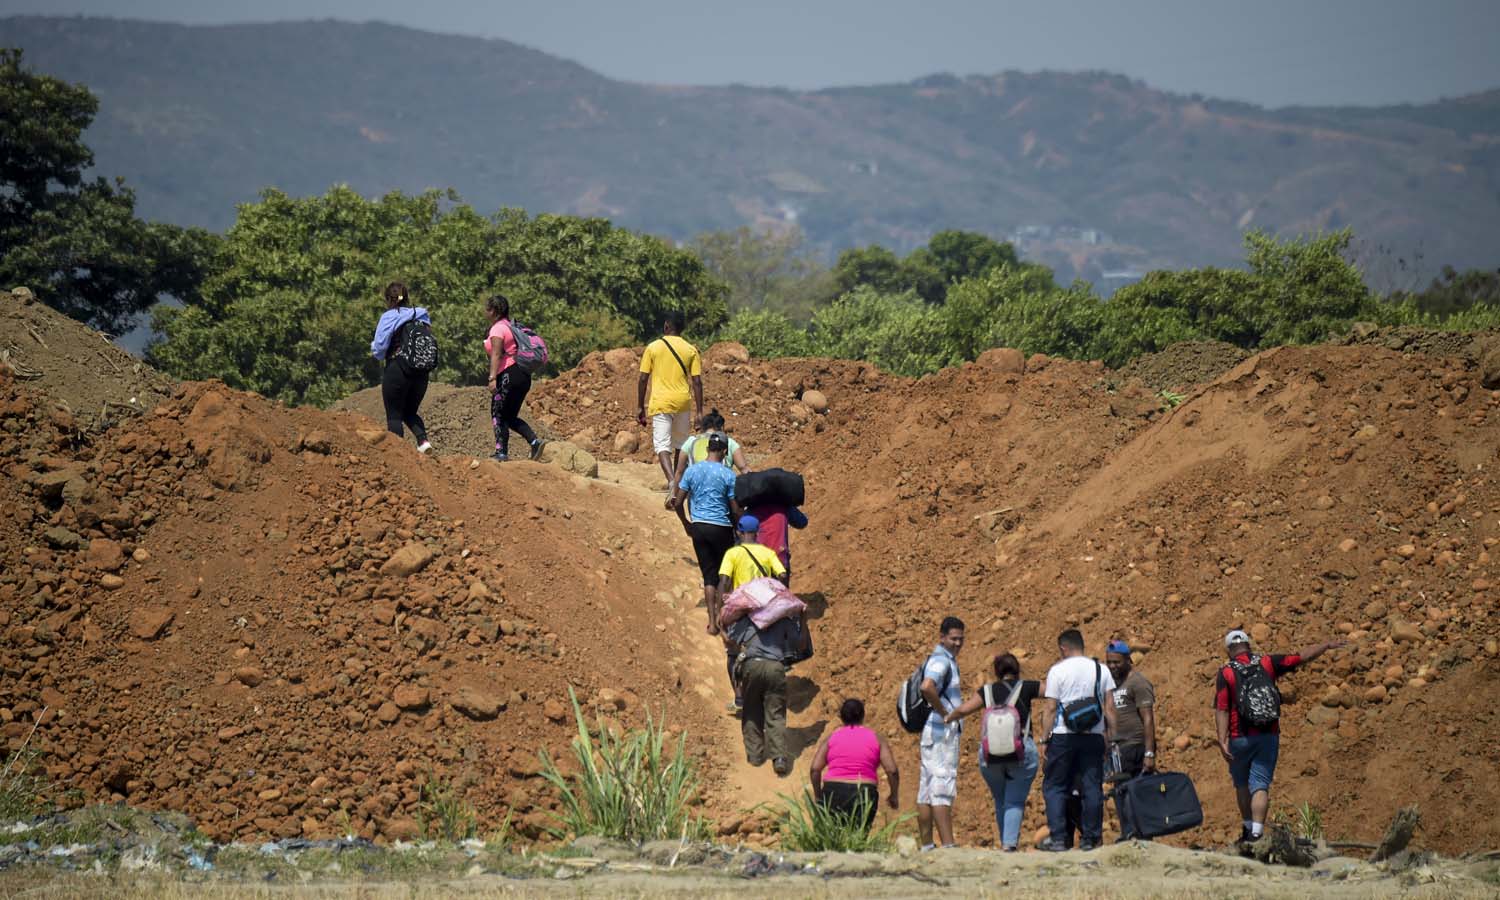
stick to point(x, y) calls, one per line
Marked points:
point(1156, 805)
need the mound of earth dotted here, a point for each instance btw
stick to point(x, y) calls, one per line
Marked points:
point(276, 620)
point(1465, 345)
point(1184, 365)
point(1309, 493)
point(79, 369)
point(282, 621)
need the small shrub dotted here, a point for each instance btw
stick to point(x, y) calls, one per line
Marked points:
point(1309, 822)
point(628, 786)
point(809, 826)
point(443, 814)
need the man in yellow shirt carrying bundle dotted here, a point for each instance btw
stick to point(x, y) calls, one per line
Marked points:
point(671, 366)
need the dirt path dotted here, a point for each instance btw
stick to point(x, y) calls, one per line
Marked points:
point(700, 657)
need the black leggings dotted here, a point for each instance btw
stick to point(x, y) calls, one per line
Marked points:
point(505, 408)
point(846, 798)
point(402, 393)
point(710, 543)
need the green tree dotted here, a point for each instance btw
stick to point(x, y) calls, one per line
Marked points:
point(873, 267)
point(77, 243)
point(290, 310)
point(765, 270)
point(929, 272)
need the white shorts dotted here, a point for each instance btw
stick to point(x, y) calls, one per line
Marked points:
point(669, 430)
point(937, 782)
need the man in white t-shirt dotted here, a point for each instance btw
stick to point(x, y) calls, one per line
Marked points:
point(1080, 723)
point(937, 779)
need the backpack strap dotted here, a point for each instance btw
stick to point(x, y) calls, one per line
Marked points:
point(1015, 693)
point(988, 696)
point(685, 372)
point(763, 572)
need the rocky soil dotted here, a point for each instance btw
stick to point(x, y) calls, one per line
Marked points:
point(282, 621)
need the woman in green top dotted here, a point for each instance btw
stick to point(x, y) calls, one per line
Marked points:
point(695, 449)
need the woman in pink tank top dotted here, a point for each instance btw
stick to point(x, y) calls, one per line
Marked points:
point(844, 775)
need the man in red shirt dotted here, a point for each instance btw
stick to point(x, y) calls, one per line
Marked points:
point(775, 519)
point(1247, 710)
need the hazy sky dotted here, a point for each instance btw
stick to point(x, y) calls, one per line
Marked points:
point(1274, 52)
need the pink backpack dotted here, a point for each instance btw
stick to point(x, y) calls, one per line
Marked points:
point(1002, 733)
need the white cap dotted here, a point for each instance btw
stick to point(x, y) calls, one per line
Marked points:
point(1236, 637)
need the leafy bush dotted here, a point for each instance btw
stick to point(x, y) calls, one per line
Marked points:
point(897, 332)
point(767, 334)
point(809, 826)
point(628, 787)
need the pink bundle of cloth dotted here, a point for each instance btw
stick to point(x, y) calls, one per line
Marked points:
point(765, 600)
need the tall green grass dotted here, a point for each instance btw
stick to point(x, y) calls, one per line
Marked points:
point(23, 793)
point(809, 826)
point(444, 814)
point(628, 787)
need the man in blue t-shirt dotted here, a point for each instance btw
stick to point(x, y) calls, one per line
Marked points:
point(937, 781)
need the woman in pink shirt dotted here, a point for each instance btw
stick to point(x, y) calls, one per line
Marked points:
point(844, 775)
point(508, 382)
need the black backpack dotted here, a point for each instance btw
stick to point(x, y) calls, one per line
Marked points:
point(911, 707)
point(1256, 697)
point(419, 350)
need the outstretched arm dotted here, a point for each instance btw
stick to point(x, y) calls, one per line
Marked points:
point(967, 708)
point(1309, 654)
point(698, 398)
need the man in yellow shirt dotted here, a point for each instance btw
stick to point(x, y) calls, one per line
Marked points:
point(670, 366)
point(746, 561)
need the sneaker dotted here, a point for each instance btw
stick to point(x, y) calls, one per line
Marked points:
point(1051, 846)
point(424, 447)
point(735, 706)
point(536, 448)
point(500, 457)
point(782, 766)
point(755, 762)
point(1086, 846)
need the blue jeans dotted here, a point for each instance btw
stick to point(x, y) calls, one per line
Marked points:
point(1071, 756)
point(1254, 762)
point(1009, 783)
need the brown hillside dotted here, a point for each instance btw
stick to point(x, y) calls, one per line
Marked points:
point(279, 620)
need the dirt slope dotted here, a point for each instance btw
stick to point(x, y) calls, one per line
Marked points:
point(277, 620)
point(81, 371)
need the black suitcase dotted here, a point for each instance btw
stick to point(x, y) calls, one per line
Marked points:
point(769, 486)
point(1156, 805)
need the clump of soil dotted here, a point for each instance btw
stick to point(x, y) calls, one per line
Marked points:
point(76, 367)
point(1184, 365)
point(1464, 345)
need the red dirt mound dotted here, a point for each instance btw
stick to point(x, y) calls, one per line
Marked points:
point(280, 620)
point(276, 620)
point(1310, 492)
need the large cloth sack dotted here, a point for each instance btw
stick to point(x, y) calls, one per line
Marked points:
point(764, 600)
point(769, 486)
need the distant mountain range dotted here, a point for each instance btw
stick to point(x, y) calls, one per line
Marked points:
point(1093, 173)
